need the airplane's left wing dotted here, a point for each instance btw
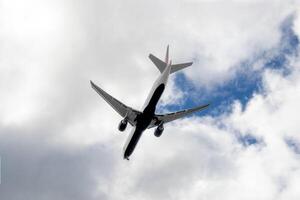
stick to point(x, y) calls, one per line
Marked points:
point(118, 106)
point(158, 119)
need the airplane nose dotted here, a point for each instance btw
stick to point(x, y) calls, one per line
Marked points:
point(126, 156)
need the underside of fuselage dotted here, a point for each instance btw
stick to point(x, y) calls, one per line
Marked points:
point(143, 121)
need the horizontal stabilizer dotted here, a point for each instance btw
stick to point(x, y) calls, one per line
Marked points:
point(161, 65)
point(178, 67)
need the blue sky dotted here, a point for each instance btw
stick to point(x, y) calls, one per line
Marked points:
point(243, 85)
point(245, 82)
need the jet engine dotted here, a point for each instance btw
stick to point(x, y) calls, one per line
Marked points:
point(123, 125)
point(159, 130)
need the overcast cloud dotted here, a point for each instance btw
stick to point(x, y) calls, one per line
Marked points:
point(59, 139)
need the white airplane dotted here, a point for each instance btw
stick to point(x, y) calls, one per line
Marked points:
point(145, 119)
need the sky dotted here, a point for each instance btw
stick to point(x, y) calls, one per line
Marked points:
point(59, 139)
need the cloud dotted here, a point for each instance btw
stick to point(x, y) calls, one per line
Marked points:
point(33, 167)
point(59, 140)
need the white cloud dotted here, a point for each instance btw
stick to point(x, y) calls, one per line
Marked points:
point(297, 22)
point(237, 33)
point(59, 140)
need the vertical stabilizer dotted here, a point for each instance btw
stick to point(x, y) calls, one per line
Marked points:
point(161, 65)
point(167, 55)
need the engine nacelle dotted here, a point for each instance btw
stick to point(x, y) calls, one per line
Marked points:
point(159, 130)
point(123, 125)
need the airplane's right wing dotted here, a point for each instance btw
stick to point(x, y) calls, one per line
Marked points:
point(121, 108)
point(158, 119)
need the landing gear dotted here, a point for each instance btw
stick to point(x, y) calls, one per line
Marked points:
point(123, 125)
point(159, 130)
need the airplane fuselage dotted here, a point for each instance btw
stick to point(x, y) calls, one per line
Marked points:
point(144, 119)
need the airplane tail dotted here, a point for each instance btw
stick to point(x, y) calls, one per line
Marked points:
point(167, 55)
point(161, 65)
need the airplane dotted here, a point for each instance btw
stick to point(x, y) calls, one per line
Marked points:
point(146, 119)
